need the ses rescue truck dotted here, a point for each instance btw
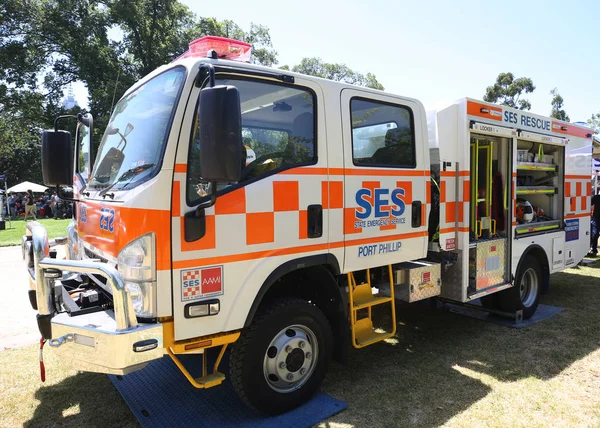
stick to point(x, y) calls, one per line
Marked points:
point(233, 204)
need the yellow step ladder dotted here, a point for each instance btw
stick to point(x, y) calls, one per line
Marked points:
point(362, 297)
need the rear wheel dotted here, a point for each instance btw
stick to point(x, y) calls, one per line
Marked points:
point(281, 360)
point(525, 294)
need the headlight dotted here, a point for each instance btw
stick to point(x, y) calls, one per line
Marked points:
point(137, 266)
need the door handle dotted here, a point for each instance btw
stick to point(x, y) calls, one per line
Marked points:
point(416, 214)
point(194, 225)
point(315, 221)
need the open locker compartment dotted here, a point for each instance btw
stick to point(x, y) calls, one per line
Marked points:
point(539, 189)
point(490, 209)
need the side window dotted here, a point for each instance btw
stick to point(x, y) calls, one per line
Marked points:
point(278, 132)
point(382, 134)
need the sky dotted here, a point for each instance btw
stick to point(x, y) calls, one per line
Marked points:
point(438, 51)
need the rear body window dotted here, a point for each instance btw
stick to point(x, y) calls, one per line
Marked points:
point(382, 134)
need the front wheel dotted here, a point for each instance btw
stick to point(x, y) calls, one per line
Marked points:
point(281, 360)
point(525, 294)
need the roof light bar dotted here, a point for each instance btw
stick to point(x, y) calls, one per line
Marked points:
point(224, 48)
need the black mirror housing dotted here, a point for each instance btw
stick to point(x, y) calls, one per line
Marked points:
point(220, 131)
point(57, 158)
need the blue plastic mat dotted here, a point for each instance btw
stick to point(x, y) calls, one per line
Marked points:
point(542, 313)
point(160, 396)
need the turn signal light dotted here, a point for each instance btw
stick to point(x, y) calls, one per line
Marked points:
point(197, 345)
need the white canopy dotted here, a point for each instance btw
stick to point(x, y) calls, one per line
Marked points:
point(27, 185)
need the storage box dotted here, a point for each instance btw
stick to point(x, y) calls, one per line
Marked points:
point(522, 156)
point(417, 281)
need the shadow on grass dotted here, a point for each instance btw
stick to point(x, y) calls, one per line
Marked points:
point(83, 400)
point(440, 362)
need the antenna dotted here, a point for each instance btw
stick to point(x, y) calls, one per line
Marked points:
point(115, 91)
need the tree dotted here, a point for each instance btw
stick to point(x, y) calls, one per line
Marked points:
point(19, 153)
point(338, 72)
point(557, 103)
point(47, 44)
point(22, 119)
point(594, 122)
point(507, 90)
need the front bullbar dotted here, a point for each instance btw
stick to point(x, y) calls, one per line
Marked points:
point(109, 341)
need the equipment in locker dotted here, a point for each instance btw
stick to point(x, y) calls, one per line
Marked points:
point(524, 211)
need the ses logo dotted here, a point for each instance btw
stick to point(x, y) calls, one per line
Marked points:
point(107, 219)
point(201, 283)
point(386, 206)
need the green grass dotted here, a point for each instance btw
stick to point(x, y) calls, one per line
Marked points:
point(12, 236)
point(441, 369)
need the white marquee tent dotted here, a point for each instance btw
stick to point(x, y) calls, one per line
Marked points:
point(27, 185)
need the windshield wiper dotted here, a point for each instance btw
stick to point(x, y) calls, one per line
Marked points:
point(129, 174)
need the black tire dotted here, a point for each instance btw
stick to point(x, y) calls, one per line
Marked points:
point(512, 300)
point(250, 358)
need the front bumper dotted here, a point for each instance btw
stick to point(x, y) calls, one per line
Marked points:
point(109, 341)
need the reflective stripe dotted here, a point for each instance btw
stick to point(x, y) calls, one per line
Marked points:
point(182, 264)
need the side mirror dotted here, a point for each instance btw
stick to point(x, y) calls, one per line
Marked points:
point(57, 158)
point(220, 131)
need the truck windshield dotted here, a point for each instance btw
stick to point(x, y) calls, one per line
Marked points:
point(133, 144)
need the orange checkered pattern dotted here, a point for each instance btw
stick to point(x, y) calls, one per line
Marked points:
point(449, 201)
point(578, 192)
point(266, 219)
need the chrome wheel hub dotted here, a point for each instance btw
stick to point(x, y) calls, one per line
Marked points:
point(290, 358)
point(529, 287)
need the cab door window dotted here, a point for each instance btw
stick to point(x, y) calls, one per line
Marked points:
point(278, 133)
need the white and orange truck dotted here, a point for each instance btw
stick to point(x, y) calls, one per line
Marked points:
point(235, 205)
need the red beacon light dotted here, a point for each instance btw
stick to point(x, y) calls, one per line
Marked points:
point(225, 48)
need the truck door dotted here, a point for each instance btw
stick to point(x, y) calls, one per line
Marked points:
point(386, 164)
point(223, 254)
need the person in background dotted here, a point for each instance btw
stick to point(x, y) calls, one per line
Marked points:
point(29, 205)
point(595, 226)
point(12, 206)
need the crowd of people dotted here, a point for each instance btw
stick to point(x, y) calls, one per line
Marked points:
point(29, 206)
